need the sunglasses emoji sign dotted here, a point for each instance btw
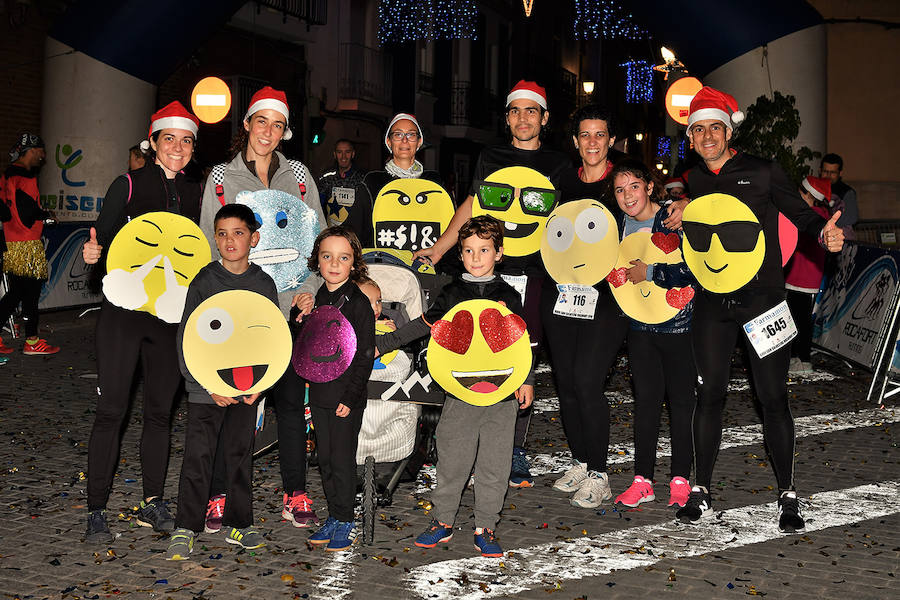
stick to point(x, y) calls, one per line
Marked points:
point(151, 261)
point(580, 242)
point(523, 199)
point(410, 214)
point(479, 352)
point(724, 244)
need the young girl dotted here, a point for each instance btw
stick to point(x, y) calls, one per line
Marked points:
point(337, 406)
point(660, 356)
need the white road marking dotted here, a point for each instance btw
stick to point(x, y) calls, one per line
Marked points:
point(584, 557)
point(335, 577)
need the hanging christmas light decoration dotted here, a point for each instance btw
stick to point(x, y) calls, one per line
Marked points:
point(638, 81)
point(402, 21)
point(663, 147)
point(527, 5)
point(606, 19)
point(670, 64)
point(682, 148)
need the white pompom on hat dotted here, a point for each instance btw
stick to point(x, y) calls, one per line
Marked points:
point(172, 116)
point(269, 97)
point(819, 187)
point(400, 117)
point(674, 182)
point(710, 103)
point(529, 90)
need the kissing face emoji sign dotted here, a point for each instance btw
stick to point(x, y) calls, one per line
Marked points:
point(580, 242)
point(151, 261)
point(724, 244)
point(236, 343)
point(479, 352)
point(325, 346)
point(410, 214)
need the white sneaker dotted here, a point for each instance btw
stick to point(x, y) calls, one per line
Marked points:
point(572, 479)
point(593, 491)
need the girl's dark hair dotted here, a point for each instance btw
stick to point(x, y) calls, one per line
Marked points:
point(366, 280)
point(639, 170)
point(359, 269)
point(484, 226)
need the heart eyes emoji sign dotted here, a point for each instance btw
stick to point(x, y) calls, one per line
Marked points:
point(479, 352)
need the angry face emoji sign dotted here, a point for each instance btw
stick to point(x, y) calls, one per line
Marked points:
point(410, 214)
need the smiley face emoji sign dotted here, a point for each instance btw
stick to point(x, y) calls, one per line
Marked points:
point(485, 335)
point(325, 346)
point(151, 261)
point(580, 242)
point(645, 301)
point(236, 343)
point(523, 199)
point(724, 244)
point(410, 214)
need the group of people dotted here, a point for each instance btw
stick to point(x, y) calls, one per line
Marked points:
point(684, 362)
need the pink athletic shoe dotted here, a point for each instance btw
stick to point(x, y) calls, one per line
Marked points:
point(640, 491)
point(679, 490)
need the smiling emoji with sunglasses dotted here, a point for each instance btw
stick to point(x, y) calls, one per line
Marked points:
point(523, 199)
point(724, 244)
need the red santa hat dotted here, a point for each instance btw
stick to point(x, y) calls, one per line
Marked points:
point(268, 97)
point(172, 116)
point(400, 117)
point(819, 187)
point(674, 182)
point(710, 103)
point(529, 90)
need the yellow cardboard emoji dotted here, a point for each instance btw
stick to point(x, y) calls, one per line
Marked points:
point(410, 214)
point(580, 242)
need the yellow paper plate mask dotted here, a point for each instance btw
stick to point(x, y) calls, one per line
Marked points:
point(479, 352)
point(236, 343)
point(580, 242)
point(523, 199)
point(410, 214)
point(151, 261)
point(724, 244)
point(384, 359)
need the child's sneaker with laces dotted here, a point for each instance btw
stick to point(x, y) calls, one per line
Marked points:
point(181, 544)
point(638, 492)
point(699, 505)
point(520, 475)
point(323, 533)
point(297, 508)
point(437, 533)
point(39, 348)
point(572, 479)
point(679, 491)
point(486, 543)
point(593, 491)
point(97, 529)
point(789, 517)
point(215, 510)
point(342, 538)
point(247, 538)
point(155, 514)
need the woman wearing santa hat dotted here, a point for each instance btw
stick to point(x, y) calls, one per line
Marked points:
point(126, 338)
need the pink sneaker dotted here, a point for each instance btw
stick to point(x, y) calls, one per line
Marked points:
point(298, 510)
point(679, 490)
point(640, 491)
point(215, 510)
point(39, 348)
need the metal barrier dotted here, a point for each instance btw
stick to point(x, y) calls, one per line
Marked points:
point(884, 233)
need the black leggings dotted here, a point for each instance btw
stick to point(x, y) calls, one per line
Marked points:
point(717, 324)
point(582, 352)
point(125, 338)
point(337, 438)
point(801, 305)
point(662, 368)
point(26, 290)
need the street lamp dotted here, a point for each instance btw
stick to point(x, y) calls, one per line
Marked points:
point(588, 87)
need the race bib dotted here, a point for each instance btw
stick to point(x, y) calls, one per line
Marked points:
point(518, 283)
point(575, 301)
point(344, 196)
point(771, 330)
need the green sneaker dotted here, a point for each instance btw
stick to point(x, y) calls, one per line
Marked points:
point(181, 544)
point(247, 538)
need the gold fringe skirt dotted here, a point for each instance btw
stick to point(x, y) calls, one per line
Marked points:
point(26, 259)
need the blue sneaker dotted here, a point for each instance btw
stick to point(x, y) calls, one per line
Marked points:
point(487, 544)
point(324, 533)
point(520, 476)
point(342, 538)
point(437, 533)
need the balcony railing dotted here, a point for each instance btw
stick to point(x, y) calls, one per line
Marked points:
point(314, 12)
point(365, 74)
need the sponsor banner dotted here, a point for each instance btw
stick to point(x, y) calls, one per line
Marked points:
point(68, 281)
point(852, 312)
point(75, 178)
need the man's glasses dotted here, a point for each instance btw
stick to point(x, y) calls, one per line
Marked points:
point(499, 196)
point(735, 236)
point(410, 136)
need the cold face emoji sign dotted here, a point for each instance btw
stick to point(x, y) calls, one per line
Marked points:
point(479, 352)
point(325, 346)
point(523, 199)
point(151, 261)
point(236, 343)
point(580, 242)
point(724, 244)
point(410, 214)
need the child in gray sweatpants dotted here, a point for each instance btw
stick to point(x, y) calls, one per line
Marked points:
point(468, 434)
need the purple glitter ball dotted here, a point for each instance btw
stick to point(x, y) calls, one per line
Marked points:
point(325, 346)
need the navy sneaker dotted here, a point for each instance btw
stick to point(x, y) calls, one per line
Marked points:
point(437, 533)
point(487, 544)
point(342, 537)
point(324, 533)
point(155, 514)
point(97, 529)
point(520, 476)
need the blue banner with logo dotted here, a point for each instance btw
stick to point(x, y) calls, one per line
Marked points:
point(67, 284)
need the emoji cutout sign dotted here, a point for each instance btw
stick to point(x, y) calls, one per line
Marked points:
point(382, 361)
point(523, 199)
point(287, 231)
point(151, 261)
point(580, 242)
point(787, 238)
point(410, 214)
point(645, 301)
point(236, 343)
point(325, 346)
point(724, 244)
point(482, 335)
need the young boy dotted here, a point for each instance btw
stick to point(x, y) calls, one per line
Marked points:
point(209, 414)
point(468, 434)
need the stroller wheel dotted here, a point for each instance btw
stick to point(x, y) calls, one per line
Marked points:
point(368, 503)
